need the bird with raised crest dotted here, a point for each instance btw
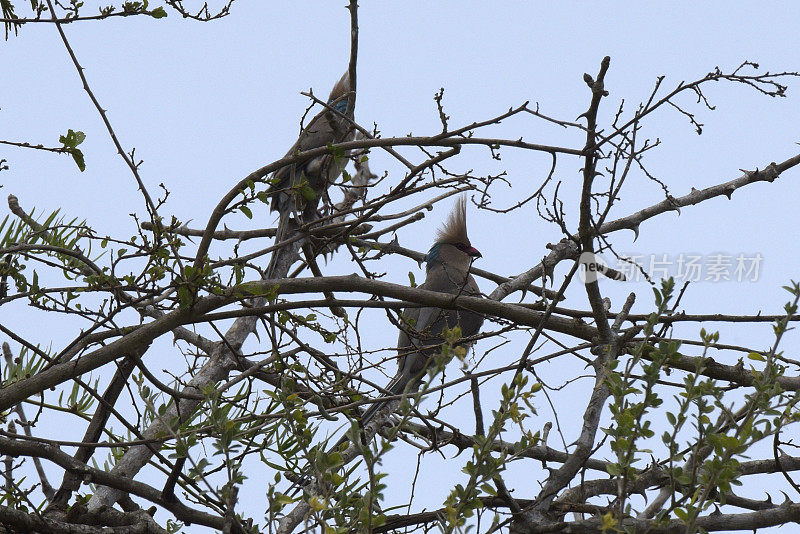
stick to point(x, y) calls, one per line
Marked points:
point(299, 186)
point(296, 189)
point(447, 267)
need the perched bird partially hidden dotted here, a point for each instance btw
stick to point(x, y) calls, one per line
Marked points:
point(447, 271)
point(297, 188)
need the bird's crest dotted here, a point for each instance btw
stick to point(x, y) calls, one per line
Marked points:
point(341, 88)
point(454, 229)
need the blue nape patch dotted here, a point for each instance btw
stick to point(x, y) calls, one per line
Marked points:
point(431, 256)
point(340, 106)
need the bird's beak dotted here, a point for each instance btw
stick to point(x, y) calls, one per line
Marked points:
point(474, 252)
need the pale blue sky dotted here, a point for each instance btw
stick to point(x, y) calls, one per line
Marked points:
point(206, 104)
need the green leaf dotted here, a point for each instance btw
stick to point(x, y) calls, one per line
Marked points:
point(158, 13)
point(77, 155)
point(71, 142)
point(337, 152)
point(308, 192)
point(72, 139)
point(184, 297)
point(246, 211)
point(334, 460)
point(489, 490)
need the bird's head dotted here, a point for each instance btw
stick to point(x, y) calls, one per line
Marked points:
point(339, 90)
point(452, 237)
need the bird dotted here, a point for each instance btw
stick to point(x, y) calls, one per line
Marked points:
point(447, 267)
point(298, 187)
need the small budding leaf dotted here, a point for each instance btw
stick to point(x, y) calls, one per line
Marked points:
point(72, 139)
point(336, 151)
point(316, 504)
point(70, 143)
point(308, 192)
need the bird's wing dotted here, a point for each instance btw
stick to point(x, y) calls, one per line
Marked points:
point(318, 133)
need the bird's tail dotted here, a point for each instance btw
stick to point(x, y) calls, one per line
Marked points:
point(396, 386)
point(284, 222)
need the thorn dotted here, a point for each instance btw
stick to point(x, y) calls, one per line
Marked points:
point(728, 192)
point(549, 271)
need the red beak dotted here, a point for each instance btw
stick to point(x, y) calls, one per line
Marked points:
point(472, 251)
